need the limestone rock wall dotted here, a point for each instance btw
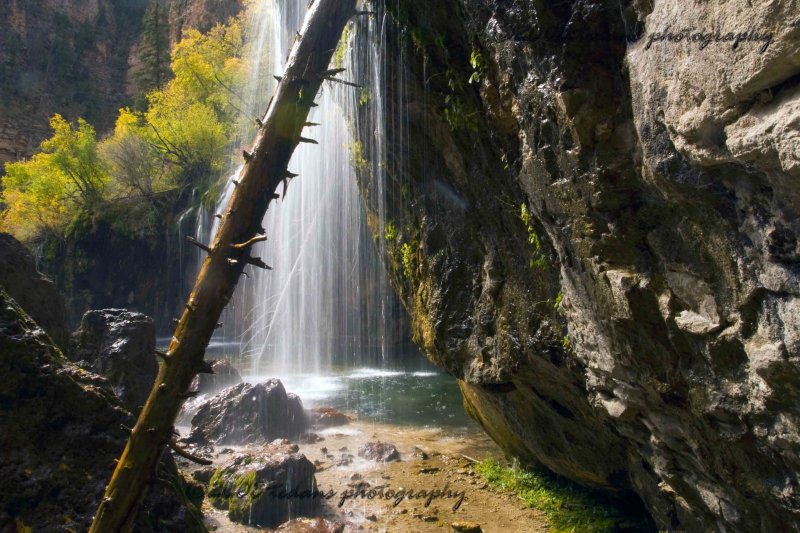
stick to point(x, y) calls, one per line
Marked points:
point(634, 328)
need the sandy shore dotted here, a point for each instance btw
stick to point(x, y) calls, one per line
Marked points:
point(370, 496)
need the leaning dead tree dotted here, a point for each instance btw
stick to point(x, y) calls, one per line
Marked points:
point(265, 168)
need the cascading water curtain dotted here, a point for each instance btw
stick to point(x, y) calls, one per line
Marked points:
point(327, 300)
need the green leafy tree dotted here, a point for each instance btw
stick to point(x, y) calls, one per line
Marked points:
point(66, 176)
point(181, 139)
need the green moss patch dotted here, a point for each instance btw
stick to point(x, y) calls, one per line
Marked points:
point(568, 507)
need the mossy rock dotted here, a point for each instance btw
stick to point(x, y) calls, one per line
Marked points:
point(265, 490)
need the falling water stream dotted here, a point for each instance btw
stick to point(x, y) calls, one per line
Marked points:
point(325, 320)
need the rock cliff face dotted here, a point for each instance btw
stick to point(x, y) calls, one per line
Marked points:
point(61, 56)
point(35, 293)
point(634, 326)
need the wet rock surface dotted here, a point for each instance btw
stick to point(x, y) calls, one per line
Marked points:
point(248, 413)
point(37, 295)
point(643, 306)
point(119, 345)
point(323, 417)
point(225, 375)
point(265, 489)
point(379, 451)
point(62, 431)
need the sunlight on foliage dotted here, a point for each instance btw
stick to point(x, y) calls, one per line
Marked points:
point(181, 140)
point(65, 176)
point(538, 260)
point(407, 255)
point(568, 508)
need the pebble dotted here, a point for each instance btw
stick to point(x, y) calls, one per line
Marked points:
point(466, 527)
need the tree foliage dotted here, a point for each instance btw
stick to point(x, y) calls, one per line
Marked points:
point(182, 139)
point(65, 176)
point(153, 48)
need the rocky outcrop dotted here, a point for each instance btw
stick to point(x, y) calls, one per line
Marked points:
point(62, 431)
point(265, 490)
point(104, 265)
point(120, 346)
point(225, 375)
point(599, 239)
point(34, 293)
point(248, 413)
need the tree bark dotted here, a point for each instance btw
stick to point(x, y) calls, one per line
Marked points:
point(265, 168)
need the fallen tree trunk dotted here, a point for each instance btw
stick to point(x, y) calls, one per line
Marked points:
point(265, 168)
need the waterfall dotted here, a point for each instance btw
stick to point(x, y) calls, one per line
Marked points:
point(327, 301)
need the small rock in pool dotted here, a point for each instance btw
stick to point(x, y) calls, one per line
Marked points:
point(466, 527)
point(310, 438)
point(372, 517)
point(344, 460)
point(379, 451)
point(355, 477)
point(419, 452)
point(324, 417)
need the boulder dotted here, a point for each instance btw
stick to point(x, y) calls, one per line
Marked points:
point(119, 345)
point(225, 375)
point(61, 433)
point(323, 417)
point(248, 413)
point(37, 295)
point(265, 490)
point(379, 451)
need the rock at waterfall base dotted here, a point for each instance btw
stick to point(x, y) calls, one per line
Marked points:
point(247, 413)
point(323, 417)
point(265, 490)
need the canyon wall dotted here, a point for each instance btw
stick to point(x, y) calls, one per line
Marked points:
point(593, 224)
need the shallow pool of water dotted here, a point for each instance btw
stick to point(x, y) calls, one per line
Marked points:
point(417, 398)
point(415, 394)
